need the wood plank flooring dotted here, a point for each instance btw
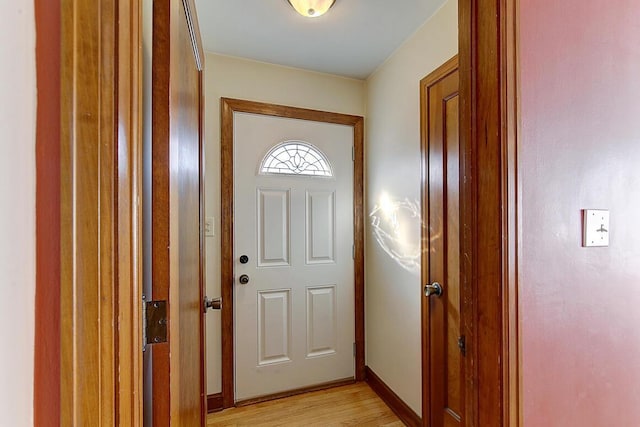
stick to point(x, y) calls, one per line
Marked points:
point(350, 405)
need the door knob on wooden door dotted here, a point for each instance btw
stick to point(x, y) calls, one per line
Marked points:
point(433, 289)
point(214, 303)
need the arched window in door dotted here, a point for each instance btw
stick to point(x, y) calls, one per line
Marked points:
point(295, 158)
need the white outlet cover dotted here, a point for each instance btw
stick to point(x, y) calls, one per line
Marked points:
point(595, 225)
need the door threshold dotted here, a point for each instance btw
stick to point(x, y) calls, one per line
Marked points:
point(289, 393)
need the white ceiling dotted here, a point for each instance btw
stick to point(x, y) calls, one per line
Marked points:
point(351, 40)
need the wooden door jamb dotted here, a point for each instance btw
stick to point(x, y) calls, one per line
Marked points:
point(228, 108)
point(488, 59)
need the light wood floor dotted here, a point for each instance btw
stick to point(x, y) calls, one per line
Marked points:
point(350, 405)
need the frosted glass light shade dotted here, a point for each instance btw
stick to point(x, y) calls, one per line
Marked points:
point(311, 8)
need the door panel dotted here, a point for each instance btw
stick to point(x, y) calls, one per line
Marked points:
point(274, 326)
point(295, 316)
point(443, 360)
point(273, 227)
point(320, 227)
point(322, 322)
point(178, 365)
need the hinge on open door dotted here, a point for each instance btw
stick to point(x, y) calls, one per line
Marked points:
point(353, 153)
point(462, 345)
point(154, 322)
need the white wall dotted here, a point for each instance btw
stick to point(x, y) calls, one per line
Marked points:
point(256, 81)
point(393, 291)
point(17, 211)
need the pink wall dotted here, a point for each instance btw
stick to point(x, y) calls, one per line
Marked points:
point(580, 148)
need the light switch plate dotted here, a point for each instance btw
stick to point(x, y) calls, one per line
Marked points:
point(208, 226)
point(595, 224)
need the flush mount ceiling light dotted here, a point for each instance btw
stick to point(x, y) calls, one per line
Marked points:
point(311, 8)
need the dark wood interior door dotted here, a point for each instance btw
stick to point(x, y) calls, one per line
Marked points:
point(443, 343)
point(178, 365)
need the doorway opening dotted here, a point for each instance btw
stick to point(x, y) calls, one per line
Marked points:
point(231, 260)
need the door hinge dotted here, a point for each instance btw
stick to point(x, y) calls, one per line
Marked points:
point(353, 153)
point(154, 322)
point(353, 251)
point(462, 345)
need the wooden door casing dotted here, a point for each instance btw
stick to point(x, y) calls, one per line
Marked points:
point(302, 212)
point(228, 108)
point(177, 258)
point(488, 65)
point(97, 230)
point(443, 367)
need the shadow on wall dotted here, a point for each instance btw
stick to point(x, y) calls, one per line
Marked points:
point(393, 223)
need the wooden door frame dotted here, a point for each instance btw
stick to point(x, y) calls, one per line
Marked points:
point(488, 67)
point(439, 74)
point(88, 361)
point(228, 108)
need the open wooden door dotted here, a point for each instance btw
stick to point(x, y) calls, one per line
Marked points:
point(444, 343)
point(178, 393)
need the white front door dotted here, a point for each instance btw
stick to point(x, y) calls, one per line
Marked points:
point(293, 226)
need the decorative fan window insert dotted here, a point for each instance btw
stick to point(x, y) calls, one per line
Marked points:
point(295, 158)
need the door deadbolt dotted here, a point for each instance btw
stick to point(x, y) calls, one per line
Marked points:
point(244, 259)
point(244, 279)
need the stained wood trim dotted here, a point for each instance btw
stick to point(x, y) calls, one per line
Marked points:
point(446, 69)
point(214, 403)
point(358, 224)
point(302, 390)
point(228, 107)
point(128, 184)
point(160, 200)
point(88, 386)
point(46, 399)
point(511, 219)
point(466, 27)
point(226, 239)
point(100, 365)
point(488, 48)
point(203, 246)
point(393, 401)
point(243, 106)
